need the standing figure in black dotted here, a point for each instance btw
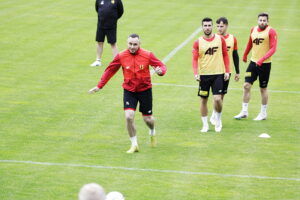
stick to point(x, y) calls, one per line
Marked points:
point(109, 11)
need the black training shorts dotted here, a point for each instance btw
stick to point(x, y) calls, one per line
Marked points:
point(225, 85)
point(111, 35)
point(144, 98)
point(215, 82)
point(262, 72)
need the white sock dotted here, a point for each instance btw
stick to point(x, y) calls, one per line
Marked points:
point(133, 141)
point(213, 114)
point(152, 132)
point(218, 116)
point(263, 109)
point(98, 59)
point(204, 121)
point(245, 107)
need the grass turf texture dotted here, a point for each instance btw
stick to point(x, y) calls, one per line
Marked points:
point(47, 116)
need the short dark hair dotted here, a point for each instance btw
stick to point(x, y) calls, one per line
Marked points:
point(134, 35)
point(263, 14)
point(206, 19)
point(222, 19)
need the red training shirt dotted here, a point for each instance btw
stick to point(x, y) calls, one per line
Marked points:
point(137, 77)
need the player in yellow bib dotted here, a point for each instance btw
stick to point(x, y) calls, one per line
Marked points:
point(232, 49)
point(211, 68)
point(263, 42)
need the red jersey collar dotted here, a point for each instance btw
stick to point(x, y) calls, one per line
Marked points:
point(209, 39)
point(226, 36)
point(260, 30)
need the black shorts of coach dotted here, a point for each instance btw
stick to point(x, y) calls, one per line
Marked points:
point(110, 34)
point(215, 82)
point(144, 98)
point(262, 72)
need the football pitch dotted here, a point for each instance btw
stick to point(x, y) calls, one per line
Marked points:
point(55, 137)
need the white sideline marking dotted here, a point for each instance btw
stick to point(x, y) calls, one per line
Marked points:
point(174, 51)
point(149, 170)
point(196, 86)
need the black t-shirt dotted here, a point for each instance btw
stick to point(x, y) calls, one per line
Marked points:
point(109, 11)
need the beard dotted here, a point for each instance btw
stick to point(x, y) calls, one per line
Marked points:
point(207, 33)
point(262, 27)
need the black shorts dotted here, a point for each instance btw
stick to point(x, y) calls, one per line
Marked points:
point(225, 85)
point(111, 35)
point(263, 72)
point(144, 98)
point(216, 83)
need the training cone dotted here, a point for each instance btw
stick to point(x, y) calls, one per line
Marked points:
point(264, 135)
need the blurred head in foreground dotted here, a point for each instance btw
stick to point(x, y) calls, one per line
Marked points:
point(92, 191)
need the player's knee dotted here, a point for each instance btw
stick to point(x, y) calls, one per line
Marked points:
point(129, 116)
point(218, 99)
point(263, 90)
point(148, 119)
point(247, 86)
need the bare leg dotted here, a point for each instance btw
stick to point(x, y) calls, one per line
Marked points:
point(247, 94)
point(149, 120)
point(246, 99)
point(204, 113)
point(218, 103)
point(114, 49)
point(203, 107)
point(99, 50)
point(129, 115)
point(264, 96)
point(264, 101)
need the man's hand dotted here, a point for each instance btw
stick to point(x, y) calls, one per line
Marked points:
point(158, 70)
point(237, 77)
point(197, 77)
point(94, 90)
point(226, 76)
point(259, 63)
point(245, 58)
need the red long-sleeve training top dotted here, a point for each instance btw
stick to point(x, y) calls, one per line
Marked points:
point(137, 77)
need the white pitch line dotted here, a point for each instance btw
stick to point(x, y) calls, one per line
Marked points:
point(241, 89)
point(149, 170)
point(174, 51)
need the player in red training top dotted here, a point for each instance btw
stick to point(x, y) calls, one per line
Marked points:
point(211, 68)
point(232, 49)
point(135, 63)
point(263, 42)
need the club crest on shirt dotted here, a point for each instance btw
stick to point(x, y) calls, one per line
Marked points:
point(102, 2)
point(141, 67)
point(127, 67)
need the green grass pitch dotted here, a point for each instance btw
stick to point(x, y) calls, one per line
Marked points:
point(47, 116)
